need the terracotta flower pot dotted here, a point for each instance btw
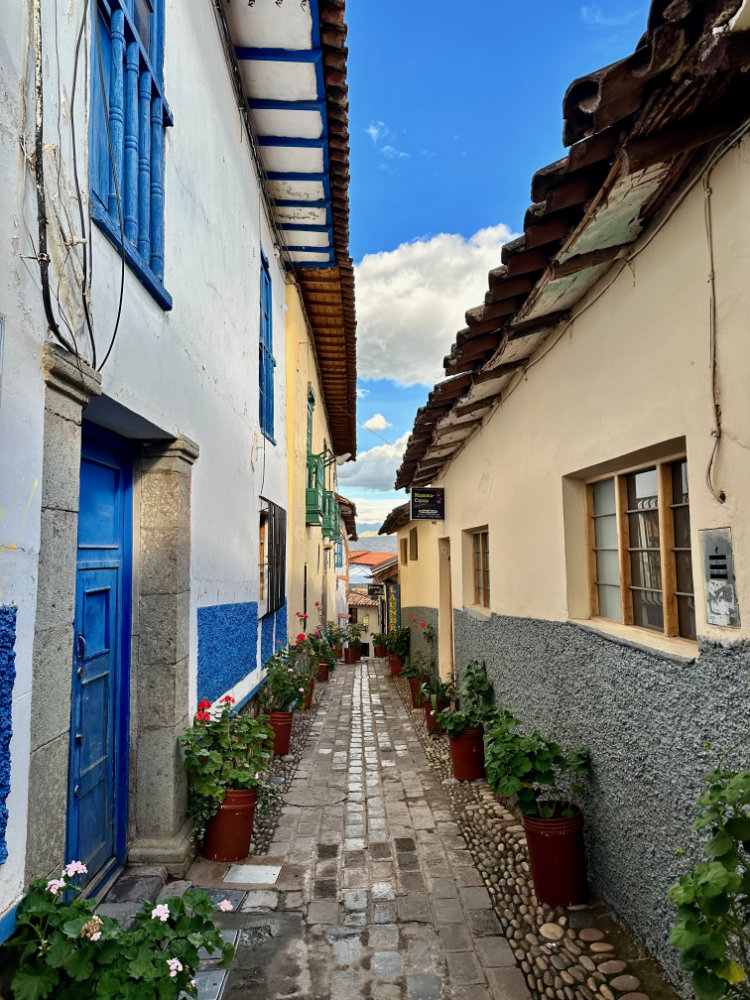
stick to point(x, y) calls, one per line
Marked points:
point(467, 754)
point(396, 664)
point(324, 668)
point(352, 654)
point(307, 703)
point(339, 651)
point(557, 858)
point(433, 726)
point(228, 832)
point(281, 723)
point(380, 651)
point(415, 683)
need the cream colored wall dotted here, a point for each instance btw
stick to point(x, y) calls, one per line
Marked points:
point(419, 580)
point(306, 544)
point(630, 373)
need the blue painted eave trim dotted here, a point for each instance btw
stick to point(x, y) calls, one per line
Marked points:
point(277, 55)
point(296, 248)
point(292, 141)
point(311, 263)
point(144, 274)
point(272, 104)
point(308, 226)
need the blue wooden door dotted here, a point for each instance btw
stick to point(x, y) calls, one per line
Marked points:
point(97, 800)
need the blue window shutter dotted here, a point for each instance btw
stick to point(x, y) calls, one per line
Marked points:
point(266, 351)
point(100, 167)
point(125, 96)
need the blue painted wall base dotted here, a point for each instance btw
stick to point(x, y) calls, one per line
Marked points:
point(7, 680)
point(227, 647)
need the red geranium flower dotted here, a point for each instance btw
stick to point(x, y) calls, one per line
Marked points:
point(413, 618)
point(203, 705)
point(422, 625)
point(203, 716)
point(317, 604)
point(301, 637)
point(228, 698)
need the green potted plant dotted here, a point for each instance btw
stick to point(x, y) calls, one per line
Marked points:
point(336, 636)
point(354, 642)
point(436, 695)
point(397, 641)
point(713, 900)
point(379, 644)
point(226, 756)
point(61, 949)
point(463, 721)
point(532, 767)
point(322, 653)
point(280, 695)
point(415, 671)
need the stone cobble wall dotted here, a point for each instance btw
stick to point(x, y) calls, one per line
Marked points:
point(421, 614)
point(646, 719)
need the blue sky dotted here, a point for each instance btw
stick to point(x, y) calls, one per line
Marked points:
point(453, 105)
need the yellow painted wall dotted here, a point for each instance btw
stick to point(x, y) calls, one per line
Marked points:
point(630, 373)
point(419, 580)
point(306, 544)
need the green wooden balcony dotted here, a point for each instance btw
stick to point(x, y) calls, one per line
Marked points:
point(315, 492)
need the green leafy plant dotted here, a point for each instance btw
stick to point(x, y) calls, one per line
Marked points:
point(529, 766)
point(285, 687)
point(379, 639)
point(437, 693)
point(225, 750)
point(472, 703)
point(354, 634)
point(62, 949)
point(336, 634)
point(416, 666)
point(713, 900)
point(397, 642)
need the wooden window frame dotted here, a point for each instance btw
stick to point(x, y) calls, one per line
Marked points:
point(667, 558)
point(480, 547)
point(404, 554)
point(413, 545)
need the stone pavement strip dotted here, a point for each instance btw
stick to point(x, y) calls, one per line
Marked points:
point(376, 895)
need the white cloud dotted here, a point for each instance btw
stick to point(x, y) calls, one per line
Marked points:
point(377, 131)
point(395, 154)
point(361, 393)
point(377, 422)
point(374, 469)
point(594, 15)
point(411, 302)
point(372, 510)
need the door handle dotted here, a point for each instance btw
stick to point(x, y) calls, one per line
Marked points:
point(81, 643)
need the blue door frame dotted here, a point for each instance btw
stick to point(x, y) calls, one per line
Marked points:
point(99, 730)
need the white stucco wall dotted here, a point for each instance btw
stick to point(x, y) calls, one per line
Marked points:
point(191, 371)
point(21, 431)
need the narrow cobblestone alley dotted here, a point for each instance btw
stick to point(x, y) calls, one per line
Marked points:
point(377, 895)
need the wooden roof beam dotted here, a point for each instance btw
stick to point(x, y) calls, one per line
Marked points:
point(499, 371)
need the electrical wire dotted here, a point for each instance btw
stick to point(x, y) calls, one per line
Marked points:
point(85, 283)
point(117, 194)
point(42, 255)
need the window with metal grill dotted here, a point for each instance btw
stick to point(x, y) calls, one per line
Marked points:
point(273, 569)
point(128, 116)
point(640, 557)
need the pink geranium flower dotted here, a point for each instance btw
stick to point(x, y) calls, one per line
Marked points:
point(175, 966)
point(225, 906)
point(75, 868)
point(160, 912)
point(55, 885)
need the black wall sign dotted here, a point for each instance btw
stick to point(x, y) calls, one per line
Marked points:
point(428, 504)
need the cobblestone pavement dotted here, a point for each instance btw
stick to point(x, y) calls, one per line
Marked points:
point(368, 889)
